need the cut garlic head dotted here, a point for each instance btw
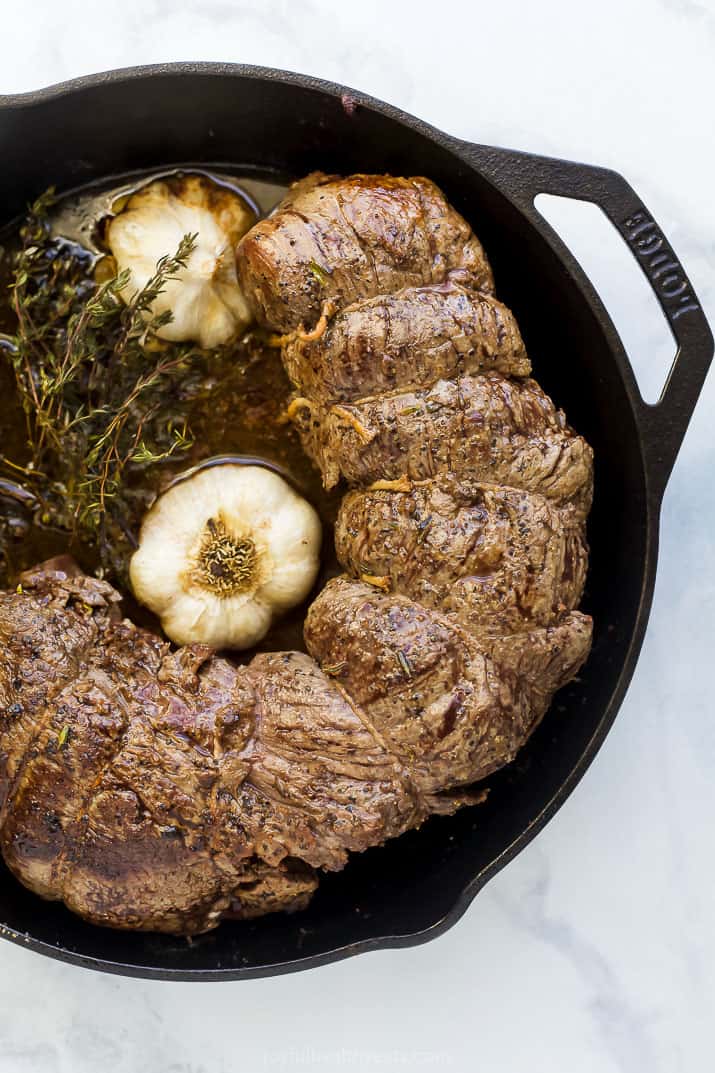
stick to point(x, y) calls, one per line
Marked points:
point(224, 552)
point(205, 300)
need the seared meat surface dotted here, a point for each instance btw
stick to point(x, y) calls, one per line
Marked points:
point(342, 239)
point(319, 783)
point(449, 708)
point(163, 790)
point(405, 340)
point(486, 427)
point(497, 559)
point(108, 745)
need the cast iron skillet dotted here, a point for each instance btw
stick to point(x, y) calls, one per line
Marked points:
point(417, 886)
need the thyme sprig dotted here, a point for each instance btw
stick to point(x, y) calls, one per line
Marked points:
point(94, 378)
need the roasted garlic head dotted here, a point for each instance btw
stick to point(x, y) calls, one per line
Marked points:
point(205, 299)
point(223, 552)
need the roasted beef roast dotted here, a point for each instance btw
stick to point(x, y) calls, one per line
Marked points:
point(484, 427)
point(341, 239)
point(496, 559)
point(157, 789)
point(164, 790)
point(416, 336)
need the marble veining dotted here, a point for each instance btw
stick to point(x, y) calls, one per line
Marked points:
point(594, 951)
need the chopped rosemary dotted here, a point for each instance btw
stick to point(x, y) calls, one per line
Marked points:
point(404, 662)
point(321, 274)
point(63, 736)
point(422, 528)
point(334, 670)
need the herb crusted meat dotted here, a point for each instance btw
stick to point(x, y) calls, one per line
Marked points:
point(159, 789)
point(485, 427)
point(162, 790)
point(342, 239)
point(464, 535)
point(413, 337)
point(496, 559)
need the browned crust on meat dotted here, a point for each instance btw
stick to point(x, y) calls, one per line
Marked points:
point(485, 428)
point(499, 560)
point(449, 709)
point(350, 238)
point(406, 340)
point(166, 790)
point(160, 790)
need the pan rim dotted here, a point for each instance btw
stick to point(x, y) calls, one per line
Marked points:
point(67, 89)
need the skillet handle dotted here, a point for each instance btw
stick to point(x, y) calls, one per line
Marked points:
point(522, 176)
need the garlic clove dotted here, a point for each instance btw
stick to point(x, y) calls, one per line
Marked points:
point(156, 572)
point(290, 524)
point(205, 298)
point(223, 552)
point(191, 619)
point(286, 579)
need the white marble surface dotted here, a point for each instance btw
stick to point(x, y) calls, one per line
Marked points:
point(594, 952)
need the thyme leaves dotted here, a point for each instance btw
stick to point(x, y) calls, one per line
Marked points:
point(94, 379)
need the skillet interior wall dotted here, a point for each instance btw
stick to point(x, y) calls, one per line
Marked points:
point(209, 118)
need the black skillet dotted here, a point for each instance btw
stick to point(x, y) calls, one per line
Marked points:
point(286, 125)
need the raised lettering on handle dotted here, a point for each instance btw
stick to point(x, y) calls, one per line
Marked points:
point(660, 265)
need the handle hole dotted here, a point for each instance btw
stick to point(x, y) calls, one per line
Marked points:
point(621, 285)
